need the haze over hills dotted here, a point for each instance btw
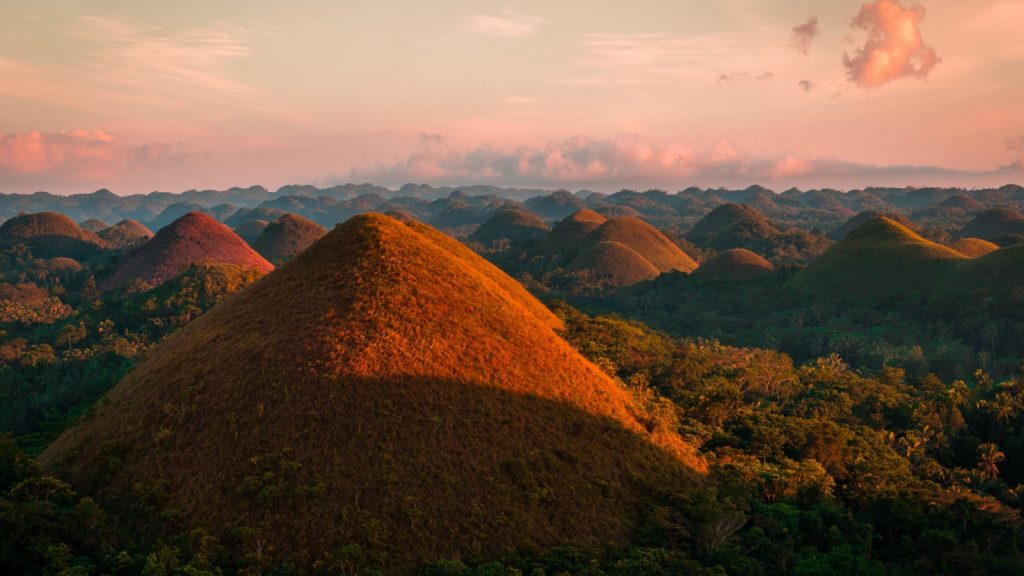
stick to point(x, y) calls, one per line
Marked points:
point(397, 370)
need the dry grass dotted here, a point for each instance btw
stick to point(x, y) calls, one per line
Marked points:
point(617, 264)
point(49, 234)
point(973, 247)
point(195, 238)
point(125, 234)
point(734, 264)
point(731, 226)
point(386, 387)
point(287, 236)
point(645, 239)
point(515, 224)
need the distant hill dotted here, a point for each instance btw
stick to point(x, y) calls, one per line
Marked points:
point(287, 236)
point(999, 273)
point(125, 234)
point(731, 226)
point(881, 259)
point(49, 235)
point(734, 264)
point(93, 225)
point(387, 381)
point(555, 206)
point(643, 238)
point(251, 230)
point(194, 238)
point(614, 263)
point(973, 247)
point(865, 217)
point(994, 223)
point(514, 224)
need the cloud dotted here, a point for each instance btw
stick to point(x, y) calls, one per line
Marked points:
point(726, 78)
point(806, 85)
point(804, 35)
point(1015, 143)
point(637, 161)
point(894, 48)
point(79, 156)
point(508, 25)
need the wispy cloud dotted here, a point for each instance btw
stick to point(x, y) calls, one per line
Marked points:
point(507, 25)
point(806, 85)
point(804, 35)
point(894, 48)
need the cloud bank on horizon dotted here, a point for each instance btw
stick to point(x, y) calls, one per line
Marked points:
point(848, 94)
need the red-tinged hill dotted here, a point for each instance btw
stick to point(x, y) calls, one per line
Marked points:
point(195, 238)
point(51, 235)
point(387, 388)
point(643, 238)
point(882, 259)
point(614, 263)
point(731, 226)
point(513, 224)
point(973, 247)
point(736, 264)
point(994, 223)
point(287, 236)
point(126, 234)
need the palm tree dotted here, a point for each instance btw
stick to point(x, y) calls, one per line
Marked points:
point(989, 456)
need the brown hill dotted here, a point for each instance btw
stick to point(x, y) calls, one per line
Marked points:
point(973, 247)
point(615, 263)
point(93, 225)
point(514, 224)
point(573, 229)
point(194, 238)
point(387, 387)
point(125, 234)
point(993, 224)
point(645, 239)
point(731, 226)
point(865, 217)
point(251, 230)
point(286, 237)
point(49, 235)
point(734, 264)
point(882, 259)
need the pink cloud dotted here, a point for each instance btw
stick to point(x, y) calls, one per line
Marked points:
point(804, 35)
point(894, 48)
point(508, 25)
point(79, 156)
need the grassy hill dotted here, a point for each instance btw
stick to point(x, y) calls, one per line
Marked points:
point(993, 224)
point(998, 273)
point(973, 247)
point(514, 224)
point(735, 264)
point(50, 235)
point(614, 263)
point(731, 226)
point(125, 234)
point(643, 238)
point(287, 236)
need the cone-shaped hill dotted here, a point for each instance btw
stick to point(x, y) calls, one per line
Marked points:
point(731, 226)
point(125, 234)
point(643, 238)
point(195, 238)
point(387, 387)
point(993, 224)
point(50, 235)
point(1000, 273)
point(573, 229)
point(882, 259)
point(286, 237)
point(515, 224)
point(251, 230)
point(93, 225)
point(734, 264)
point(865, 217)
point(973, 247)
point(615, 263)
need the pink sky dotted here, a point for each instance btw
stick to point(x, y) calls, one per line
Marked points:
point(99, 93)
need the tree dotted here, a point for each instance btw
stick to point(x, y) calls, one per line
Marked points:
point(989, 456)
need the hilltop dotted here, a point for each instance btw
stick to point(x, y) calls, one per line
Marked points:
point(287, 236)
point(513, 224)
point(973, 247)
point(994, 223)
point(880, 259)
point(251, 230)
point(194, 238)
point(998, 273)
point(643, 238)
point(50, 235)
point(614, 263)
point(731, 226)
point(734, 264)
point(865, 217)
point(125, 234)
point(387, 387)
point(573, 229)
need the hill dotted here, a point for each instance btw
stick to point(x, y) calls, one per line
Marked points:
point(195, 238)
point(973, 247)
point(734, 264)
point(251, 230)
point(574, 228)
point(731, 226)
point(614, 263)
point(387, 388)
point(555, 206)
point(999, 273)
point(643, 238)
point(515, 224)
point(125, 234)
point(50, 235)
point(882, 259)
point(287, 236)
point(93, 225)
point(993, 224)
point(865, 217)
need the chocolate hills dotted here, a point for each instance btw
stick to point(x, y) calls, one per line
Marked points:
point(194, 238)
point(731, 226)
point(994, 223)
point(125, 234)
point(574, 228)
point(643, 238)
point(555, 206)
point(387, 388)
point(287, 236)
point(50, 235)
point(864, 217)
point(93, 225)
point(251, 230)
point(880, 259)
point(973, 247)
point(999, 273)
point(514, 224)
point(614, 263)
point(734, 264)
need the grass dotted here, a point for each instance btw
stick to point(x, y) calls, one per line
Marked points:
point(973, 247)
point(287, 236)
point(734, 264)
point(49, 234)
point(615, 263)
point(387, 387)
point(645, 239)
point(515, 224)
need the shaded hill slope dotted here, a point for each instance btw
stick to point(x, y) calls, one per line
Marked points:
point(645, 239)
point(50, 235)
point(734, 264)
point(614, 263)
point(287, 236)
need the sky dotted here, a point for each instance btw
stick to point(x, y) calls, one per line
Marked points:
point(140, 96)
